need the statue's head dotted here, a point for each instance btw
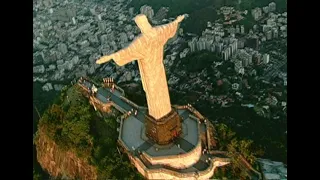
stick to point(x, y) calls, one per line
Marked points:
point(143, 23)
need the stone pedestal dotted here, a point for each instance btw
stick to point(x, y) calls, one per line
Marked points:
point(163, 131)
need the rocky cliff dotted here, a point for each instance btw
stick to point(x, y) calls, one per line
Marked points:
point(60, 163)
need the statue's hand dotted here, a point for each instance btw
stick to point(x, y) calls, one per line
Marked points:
point(104, 59)
point(180, 18)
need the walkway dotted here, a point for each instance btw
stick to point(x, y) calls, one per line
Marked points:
point(133, 125)
point(132, 137)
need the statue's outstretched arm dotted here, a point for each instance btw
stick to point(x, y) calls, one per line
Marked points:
point(170, 29)
point(123, 56)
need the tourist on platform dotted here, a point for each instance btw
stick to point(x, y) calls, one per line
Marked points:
point(113, 87)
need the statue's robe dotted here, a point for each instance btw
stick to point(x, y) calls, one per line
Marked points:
point(147, 49)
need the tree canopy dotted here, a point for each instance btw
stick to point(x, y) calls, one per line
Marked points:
point(241, 152)
point(74, 126)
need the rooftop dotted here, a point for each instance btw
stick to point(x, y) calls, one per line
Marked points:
point(272, 169)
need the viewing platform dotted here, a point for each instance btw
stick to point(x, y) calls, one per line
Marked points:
point(186, 157)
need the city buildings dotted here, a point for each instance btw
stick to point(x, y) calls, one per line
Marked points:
point(266, 58)
point(184, 53)
point(201, 44)
point(69, 49)
point(245, 57)
point(242, 29)
point(193, 44)
point(256, 13)
point(272, 169)
point(272, 7)
point(147, 10)
point(269, 35)
point(161, 14)
point(266, 9)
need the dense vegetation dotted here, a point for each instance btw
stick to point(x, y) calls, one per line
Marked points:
point(41, 98)
point(74, 125)
point(197, 20)
point(199, 60)
point(41, 101)
point(240, 151)
point(36, 175)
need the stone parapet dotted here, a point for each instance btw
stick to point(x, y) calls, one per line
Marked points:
point(130, 102)
point(120, 133)
point(119, 89)
point(164, 173)
point(118, 107)
point(178, 107)
point(179, 161)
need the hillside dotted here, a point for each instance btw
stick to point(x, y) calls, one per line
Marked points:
point(73, 141)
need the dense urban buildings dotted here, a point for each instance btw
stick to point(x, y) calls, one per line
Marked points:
point(247, 63)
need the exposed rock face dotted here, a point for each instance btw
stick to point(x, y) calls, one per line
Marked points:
point(60, 163)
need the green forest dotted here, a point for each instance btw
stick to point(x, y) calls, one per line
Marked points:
point(74, 125)
point(241, 152)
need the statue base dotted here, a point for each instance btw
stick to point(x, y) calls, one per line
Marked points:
point(164, 130)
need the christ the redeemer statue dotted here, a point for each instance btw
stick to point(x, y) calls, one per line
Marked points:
point(147, 49)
